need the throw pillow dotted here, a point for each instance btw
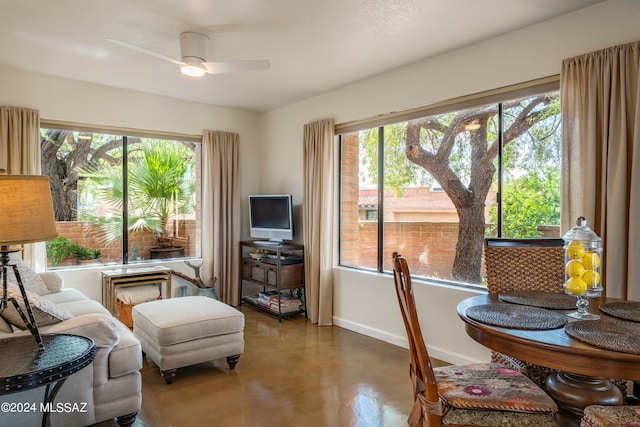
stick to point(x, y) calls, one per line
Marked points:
point(53, 281)
point(31, 280)
point(5, 326)
point(45, 312)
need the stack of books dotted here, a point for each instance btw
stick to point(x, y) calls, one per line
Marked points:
point(284, 303)
point(264, 298)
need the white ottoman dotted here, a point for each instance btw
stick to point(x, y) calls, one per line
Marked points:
point(179, 332)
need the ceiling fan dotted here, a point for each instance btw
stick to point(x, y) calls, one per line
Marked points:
point(194, 48)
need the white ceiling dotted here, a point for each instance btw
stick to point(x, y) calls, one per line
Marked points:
point(314, 45)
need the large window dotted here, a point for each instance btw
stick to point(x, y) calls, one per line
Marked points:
point(433, 187)
point(121, 199)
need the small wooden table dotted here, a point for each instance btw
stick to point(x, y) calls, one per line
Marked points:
point(125, 277)
point(24, 366)
point(583, 367)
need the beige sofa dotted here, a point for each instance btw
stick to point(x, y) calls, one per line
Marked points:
point(109, 388)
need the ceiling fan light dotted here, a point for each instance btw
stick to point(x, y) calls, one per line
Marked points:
point(192, 70)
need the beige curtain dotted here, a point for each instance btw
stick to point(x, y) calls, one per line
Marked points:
point(601, 157)
point(317, 219)
point(221, 213)
point(20, 155)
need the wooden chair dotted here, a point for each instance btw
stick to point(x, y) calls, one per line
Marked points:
point(527, 265)
point(485, 394)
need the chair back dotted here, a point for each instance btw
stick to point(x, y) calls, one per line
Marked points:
point(424, 381)
point(524, 264)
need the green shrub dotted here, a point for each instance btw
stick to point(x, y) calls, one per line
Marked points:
point(59, 249)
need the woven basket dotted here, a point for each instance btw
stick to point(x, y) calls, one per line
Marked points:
point(124, 312)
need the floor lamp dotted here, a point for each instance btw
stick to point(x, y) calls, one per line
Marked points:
point(27, 217)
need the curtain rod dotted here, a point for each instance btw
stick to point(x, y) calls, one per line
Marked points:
point(115, 130)
point(531, 87)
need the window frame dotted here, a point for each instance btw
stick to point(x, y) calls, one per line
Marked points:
point(497, 96)
point(126, 133)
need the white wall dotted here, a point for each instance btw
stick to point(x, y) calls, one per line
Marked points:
point(365, 302)
point(68, 100)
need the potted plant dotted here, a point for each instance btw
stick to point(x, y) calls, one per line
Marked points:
point(85, 255)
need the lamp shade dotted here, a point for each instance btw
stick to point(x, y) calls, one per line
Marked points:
point(26, 209)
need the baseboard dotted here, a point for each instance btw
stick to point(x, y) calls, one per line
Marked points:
point(401, 341)
point(371, 332)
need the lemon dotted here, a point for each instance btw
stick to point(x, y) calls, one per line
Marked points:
point(591, 260)
point(576, 286)
point(575, 250)
point(574, 268)
point(591, 278)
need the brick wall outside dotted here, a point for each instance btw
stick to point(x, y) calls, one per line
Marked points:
point(428, 247)
point(358, 243)
point(86, 234)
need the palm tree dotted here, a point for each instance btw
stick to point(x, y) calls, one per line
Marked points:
point(161, 184)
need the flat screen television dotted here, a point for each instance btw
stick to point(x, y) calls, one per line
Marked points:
point(271, 217)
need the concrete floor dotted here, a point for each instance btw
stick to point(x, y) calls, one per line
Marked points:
point(291, 374)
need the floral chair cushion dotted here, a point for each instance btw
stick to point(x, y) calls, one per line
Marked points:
point(611, 416)
point(491, 386)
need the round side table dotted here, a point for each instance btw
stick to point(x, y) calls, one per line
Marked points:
point(24, 366)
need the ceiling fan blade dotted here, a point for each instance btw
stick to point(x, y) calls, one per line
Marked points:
point(145, 51)
point(222, 67)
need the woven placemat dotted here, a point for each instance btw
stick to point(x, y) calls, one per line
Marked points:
point(539, 299)
point(516, 316)
point(609, 334)
point(628, 310)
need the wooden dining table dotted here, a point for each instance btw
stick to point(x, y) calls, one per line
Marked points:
point(583, 369)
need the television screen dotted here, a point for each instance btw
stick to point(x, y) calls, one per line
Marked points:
point(271, 217)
